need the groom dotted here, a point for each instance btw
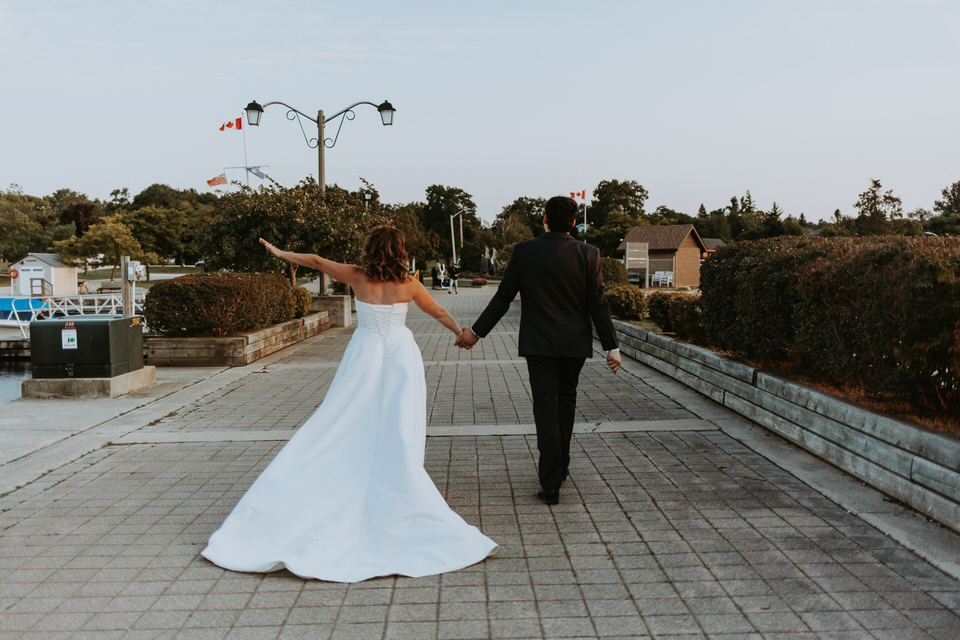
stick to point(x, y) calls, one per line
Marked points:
point(561, 291)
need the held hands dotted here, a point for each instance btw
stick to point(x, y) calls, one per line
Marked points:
point(467, 339)
point(613, 360)
point(272, 249)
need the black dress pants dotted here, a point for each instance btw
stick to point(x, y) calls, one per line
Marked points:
point(553, 382)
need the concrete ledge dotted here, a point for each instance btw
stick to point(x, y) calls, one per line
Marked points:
point(234, 351)
point(87, 388)
point(338, 308)
point(916, 466)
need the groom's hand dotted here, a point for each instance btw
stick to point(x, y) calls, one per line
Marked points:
point(613, 360)
point(467, 339)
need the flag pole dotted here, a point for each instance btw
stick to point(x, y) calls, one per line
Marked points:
point(246, 163)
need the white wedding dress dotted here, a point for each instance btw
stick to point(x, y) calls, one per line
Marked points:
point(347, 498)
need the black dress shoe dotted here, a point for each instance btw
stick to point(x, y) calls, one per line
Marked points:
point(549, 496)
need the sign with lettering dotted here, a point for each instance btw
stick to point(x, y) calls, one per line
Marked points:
point(68, 336)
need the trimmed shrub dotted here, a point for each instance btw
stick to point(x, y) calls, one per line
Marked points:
point(626, 302)
point(478, 282)
point(659, 304)
point(679, 313)
point(880, 312)
point(218, 304)
point(686, 316)
point(301, 301)
point(749, 292)
point(613, 272)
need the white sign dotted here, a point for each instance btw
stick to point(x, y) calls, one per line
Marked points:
point(68, 338)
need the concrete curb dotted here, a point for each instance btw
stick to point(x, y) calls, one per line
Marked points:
point(915, 466)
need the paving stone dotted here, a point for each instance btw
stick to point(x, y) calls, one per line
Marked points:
point(666, 534)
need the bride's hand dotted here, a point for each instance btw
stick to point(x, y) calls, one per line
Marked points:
point(272, 249)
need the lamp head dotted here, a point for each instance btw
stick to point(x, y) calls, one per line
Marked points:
point(386, 113)
point(254, 111)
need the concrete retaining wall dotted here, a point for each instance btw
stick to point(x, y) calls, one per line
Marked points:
point(235, 351)
point(913, 465)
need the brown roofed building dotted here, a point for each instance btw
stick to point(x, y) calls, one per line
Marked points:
point(675, 248)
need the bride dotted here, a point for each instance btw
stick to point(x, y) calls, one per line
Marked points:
point(347, 498)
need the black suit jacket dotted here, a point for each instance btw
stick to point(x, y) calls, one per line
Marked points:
point(561, 291)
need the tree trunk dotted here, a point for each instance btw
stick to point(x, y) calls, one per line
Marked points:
point(293, 274)
point(113, 272)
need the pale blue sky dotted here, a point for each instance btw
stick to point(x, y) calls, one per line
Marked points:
point(799, 102)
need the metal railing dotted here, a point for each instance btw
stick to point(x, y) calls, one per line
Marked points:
point(63, 306)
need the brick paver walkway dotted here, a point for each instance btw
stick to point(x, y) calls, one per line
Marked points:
point(669, 533)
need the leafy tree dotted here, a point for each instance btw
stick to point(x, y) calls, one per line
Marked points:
point(443, 202)
point(472, 253)
point(876, 210)
point(608, 237)
point(161, 195)
point(422, 245)
point(119, 201)
point(950, 205)
point(28, 224)
point(666, 216)
point(82, 215)
point(294, 218)
point(906, 227)
point(610, 196)
point(920, 214)
point(511, 229)
point(109, 236)
point(743, 217)
point(159, 230)
point(943, 225)
point(713, 224)
point(529, 211)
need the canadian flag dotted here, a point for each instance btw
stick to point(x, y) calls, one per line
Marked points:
point(579, 194)
point(232, 124)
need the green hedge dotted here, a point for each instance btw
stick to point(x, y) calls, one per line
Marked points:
point(678, 313)
point(881, 312)
point(626, 302)
point(222, 304)
point(613, 272)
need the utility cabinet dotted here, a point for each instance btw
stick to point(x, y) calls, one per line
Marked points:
point(93, 346)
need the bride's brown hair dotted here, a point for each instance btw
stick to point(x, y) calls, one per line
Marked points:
point(384, 255)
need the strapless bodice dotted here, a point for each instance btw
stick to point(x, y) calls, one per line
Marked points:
point(382, 318)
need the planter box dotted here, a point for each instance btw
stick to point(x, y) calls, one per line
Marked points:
point(912, 464)
point(234, 351)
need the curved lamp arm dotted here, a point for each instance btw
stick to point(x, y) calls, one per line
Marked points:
point(386, 110)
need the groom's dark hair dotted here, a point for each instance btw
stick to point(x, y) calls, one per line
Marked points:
point(561, 213)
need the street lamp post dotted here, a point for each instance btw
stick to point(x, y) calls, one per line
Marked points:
point(254, 111)
point(453, 242)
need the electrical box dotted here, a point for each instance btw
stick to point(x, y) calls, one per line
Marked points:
point(92, 346)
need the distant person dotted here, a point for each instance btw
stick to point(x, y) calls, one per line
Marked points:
point(561, 292)
point(435, 276)
point(348, 498)
point(454, 272)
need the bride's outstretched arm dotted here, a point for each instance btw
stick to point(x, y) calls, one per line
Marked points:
point(431, 307)
point(339, 272)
